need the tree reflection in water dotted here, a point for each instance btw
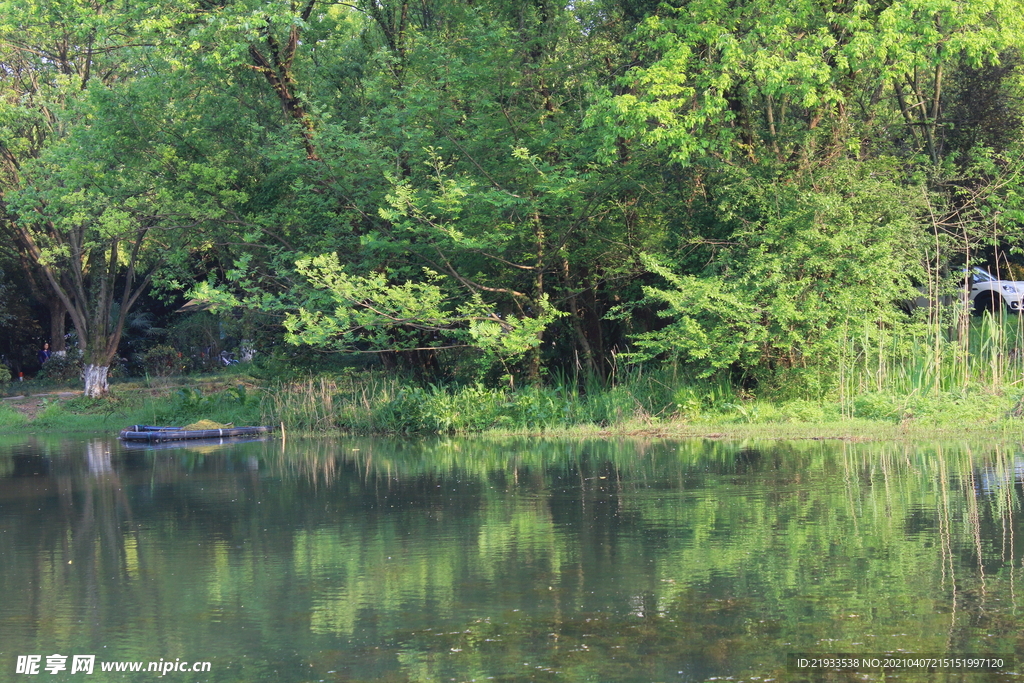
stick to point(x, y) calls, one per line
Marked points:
point(522, 559)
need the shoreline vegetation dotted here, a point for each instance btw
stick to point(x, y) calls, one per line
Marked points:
point(977, 394)
point(14, 420)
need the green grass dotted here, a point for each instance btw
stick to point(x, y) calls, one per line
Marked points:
point(907, 380)
point(10, 418)
point(984, 352)
point(648, 406)
point(654, 401)
point(168, 405)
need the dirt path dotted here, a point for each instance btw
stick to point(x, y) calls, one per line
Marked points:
point(30, 405)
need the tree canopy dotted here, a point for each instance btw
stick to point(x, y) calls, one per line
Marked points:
point(503, 189)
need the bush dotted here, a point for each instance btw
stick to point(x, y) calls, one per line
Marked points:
point(62, 369)
point(876, 406)
point(404, 413)
point(164, 361)
point(472, 408)
point(700, 399)
point(5, 374)
point(540, 408)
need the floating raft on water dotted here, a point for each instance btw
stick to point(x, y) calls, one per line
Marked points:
point(149, 433)
point(198, 444)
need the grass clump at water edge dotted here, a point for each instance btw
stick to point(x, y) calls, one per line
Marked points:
point(380, 405)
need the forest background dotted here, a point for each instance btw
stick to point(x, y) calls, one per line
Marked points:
point(462, 214)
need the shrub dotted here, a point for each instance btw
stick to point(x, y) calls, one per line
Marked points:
point(699, 399)
point(62, 369)
point(406, 412)
point(234, 405)
point(876, 406)
point(539, 408)
point(164, 361)
point(472, 408)
point(5, 374)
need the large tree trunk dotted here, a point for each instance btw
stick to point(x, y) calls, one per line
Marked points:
point(97, 357)
point(58, 315)
point(40, 287)
point(99, 351)
point(95, 377)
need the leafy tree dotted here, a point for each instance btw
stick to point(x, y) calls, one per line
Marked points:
point(402, 177)
point(793, 82)
point(813, 139)
point(803, 278)
point(59, 58)
point(101, 226)
point(460, 152)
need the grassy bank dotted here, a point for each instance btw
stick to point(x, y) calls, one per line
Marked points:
point(227, 398)
point(902, 386)
point(650, 405)
point(643, 404)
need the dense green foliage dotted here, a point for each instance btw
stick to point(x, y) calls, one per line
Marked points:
point(494, 194)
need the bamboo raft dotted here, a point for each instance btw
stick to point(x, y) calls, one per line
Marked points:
point(150, 433)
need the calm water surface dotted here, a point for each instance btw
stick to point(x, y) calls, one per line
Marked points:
point(510, 560)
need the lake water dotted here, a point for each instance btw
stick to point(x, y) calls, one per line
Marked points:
point(506, 560)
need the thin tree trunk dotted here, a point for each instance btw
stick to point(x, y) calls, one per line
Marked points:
point(533, 362)
point(278, 71)
point(577, 323)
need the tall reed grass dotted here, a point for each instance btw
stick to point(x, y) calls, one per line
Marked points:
point(375, 403)
point(983, 354)
point(973, 371)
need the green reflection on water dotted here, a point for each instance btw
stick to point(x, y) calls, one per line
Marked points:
point(619, 560)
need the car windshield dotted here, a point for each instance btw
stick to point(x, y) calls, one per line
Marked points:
point(979, 275)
